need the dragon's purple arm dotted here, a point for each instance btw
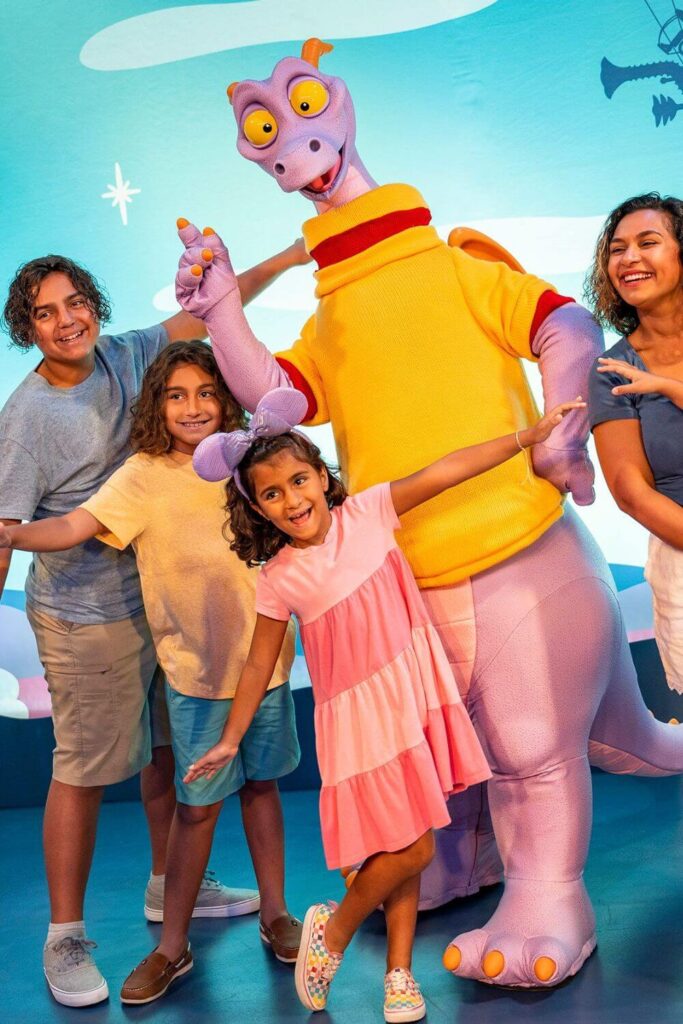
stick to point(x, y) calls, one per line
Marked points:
point(567, 344)
point(247, 366)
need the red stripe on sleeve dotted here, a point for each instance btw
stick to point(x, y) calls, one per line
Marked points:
point(548, 302)
point(301, 384)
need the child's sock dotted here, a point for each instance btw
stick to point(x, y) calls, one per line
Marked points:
point(156, 882)
point(59, 931)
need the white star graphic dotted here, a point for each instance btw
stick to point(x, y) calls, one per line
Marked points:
point(120, 193)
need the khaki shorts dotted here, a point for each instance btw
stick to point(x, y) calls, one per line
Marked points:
point(99, 677)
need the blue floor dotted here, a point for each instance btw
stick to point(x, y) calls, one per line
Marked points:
point(634, 875)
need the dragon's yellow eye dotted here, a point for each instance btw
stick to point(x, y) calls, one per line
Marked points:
point(260, 127)
point(309, 97)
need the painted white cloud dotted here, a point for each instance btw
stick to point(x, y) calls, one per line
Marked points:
point(10, 705)
point(543, 245)
point(177, 33)
point(165, 300)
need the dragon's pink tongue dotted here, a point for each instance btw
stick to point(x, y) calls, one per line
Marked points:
point(324, 181)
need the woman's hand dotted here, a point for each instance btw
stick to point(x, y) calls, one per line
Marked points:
point(542, 430)
point(642, 382)
point(212, 761)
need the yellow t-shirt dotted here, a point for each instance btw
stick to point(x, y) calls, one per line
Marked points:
point(414, 351)
point(199, 597)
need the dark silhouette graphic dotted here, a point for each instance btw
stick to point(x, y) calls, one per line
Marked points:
point(669, 72)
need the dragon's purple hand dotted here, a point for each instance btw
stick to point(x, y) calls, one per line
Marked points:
point(567, 344)
point(569, 469)
point(205, 275)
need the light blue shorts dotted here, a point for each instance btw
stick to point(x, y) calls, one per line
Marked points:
point(269, 750)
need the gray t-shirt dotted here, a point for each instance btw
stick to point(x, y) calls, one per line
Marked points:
point(661, 422)
point(57, 446)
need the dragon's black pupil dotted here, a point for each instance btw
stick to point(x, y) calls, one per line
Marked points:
point(267, 128)
point(305, 105)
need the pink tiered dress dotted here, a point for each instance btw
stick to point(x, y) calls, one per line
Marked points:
point(392, 735)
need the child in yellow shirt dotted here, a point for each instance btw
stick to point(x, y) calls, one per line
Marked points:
point(200, 604)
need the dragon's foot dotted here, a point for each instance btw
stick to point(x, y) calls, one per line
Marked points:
point(541, 933)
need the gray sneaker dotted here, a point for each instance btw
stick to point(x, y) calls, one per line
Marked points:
point(213, 900)
point(71, 972)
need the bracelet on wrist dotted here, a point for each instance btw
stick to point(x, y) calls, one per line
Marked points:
point(522, 447)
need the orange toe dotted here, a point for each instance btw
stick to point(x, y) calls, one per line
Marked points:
point(493, 963)
point(196, 270)
point(182, 223)
point(208, 231)
point(544, 968)
point(207, 254)
point(451, 958)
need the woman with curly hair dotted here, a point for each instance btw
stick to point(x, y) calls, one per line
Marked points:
point(636, 393)
point(63, 431)
point(200, 603)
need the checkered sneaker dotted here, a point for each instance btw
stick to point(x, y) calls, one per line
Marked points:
point(402, 997)
point(316, 965)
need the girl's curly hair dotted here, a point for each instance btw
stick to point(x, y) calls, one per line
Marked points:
point(254, 538)
point(17, 317)
point(609, 308)
point(149, 433)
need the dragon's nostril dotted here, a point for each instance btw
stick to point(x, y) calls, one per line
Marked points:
point(314, 145)
point(279, 168)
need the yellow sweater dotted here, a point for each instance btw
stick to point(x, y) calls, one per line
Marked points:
point(414, 351)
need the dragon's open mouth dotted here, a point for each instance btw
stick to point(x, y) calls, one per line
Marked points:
point(325, 181)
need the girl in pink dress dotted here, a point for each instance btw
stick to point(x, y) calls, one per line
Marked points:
point(392, 735)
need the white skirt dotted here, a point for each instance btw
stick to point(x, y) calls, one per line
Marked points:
point(664, 573)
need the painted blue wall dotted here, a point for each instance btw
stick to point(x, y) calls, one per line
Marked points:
point(495, 109)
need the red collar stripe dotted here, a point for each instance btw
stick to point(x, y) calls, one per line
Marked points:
point(363, 236)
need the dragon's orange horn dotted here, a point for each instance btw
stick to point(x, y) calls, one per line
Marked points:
point(313, 49)
point(231, 88)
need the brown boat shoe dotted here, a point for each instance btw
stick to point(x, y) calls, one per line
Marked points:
point(283, 935)
point(153, 975)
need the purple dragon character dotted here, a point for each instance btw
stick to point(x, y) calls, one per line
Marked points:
point(414, 350)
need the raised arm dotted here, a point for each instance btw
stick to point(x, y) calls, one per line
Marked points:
point(252, 282)
point(207, 287)
point(567, 343)
point(619, 444)
point(465, 463)
point(183, 326)
point(58, 533)
point(264, 651)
